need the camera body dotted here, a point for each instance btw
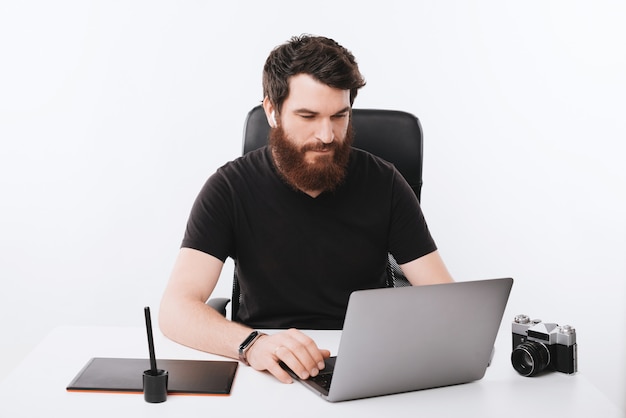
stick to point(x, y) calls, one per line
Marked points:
point(539, 346)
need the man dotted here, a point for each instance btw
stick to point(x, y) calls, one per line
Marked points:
point(308, 219)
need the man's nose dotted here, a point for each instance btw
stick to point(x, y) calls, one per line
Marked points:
point(325, 132)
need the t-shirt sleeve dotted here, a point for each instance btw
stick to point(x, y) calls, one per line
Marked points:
point(409, 237)
point(209, 227)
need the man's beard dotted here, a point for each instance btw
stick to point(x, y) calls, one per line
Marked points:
point(325, 173)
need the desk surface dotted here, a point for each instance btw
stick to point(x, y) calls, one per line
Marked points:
point(37, 387)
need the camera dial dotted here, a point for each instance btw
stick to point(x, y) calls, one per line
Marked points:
point(521, 319)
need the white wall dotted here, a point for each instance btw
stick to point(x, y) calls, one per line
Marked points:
point(113, 113)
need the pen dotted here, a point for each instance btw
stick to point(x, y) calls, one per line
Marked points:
point(153, 365)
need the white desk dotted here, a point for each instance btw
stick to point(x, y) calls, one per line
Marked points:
point(37, 387)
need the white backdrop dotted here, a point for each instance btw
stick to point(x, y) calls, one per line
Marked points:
point(113, 114)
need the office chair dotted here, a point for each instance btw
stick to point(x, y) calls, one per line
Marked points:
point(395, 136)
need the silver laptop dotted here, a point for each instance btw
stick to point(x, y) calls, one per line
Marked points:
point(404, 339)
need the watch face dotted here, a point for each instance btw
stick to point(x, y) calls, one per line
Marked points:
point(246, 344)
point(248, 340)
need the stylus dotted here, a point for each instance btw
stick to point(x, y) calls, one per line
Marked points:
point(153, 365)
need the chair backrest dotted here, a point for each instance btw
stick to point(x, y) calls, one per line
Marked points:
point(392, 135)
point(395, 136)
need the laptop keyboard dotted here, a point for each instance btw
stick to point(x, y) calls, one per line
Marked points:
point(323, 379)
point(325, 376)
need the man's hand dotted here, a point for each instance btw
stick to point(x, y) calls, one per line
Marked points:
point(298, 351)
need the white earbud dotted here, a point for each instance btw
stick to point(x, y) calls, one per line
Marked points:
point(273, 116)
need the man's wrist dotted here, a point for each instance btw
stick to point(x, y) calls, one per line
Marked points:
point(245, 346)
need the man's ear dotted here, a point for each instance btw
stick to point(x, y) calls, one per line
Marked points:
point(270, 112)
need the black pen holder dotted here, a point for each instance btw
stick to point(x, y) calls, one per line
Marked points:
point(155, 385)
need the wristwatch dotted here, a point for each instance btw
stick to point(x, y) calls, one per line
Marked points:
point(246, 344)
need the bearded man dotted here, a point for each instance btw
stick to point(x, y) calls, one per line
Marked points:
point(308, 218)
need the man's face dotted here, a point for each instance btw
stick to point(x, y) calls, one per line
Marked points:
point(311, 143)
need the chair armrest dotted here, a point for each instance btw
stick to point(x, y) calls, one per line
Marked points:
point(219, 304)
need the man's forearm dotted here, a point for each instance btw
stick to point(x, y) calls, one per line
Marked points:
point(196, 325)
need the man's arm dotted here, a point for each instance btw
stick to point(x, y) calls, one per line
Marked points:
point(428, 269)
point(185, 318)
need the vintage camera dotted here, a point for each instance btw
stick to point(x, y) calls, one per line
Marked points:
point(539, 346)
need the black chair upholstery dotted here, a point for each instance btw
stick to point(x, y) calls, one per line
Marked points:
point(395, 136)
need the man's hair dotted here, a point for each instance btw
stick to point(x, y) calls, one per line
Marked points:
point(320, 57)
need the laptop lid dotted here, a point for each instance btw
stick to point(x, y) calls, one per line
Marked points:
point(404, 339)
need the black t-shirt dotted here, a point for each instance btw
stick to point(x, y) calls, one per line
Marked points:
point(298, 257)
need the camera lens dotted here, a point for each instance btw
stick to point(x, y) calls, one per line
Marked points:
point(530, 358)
